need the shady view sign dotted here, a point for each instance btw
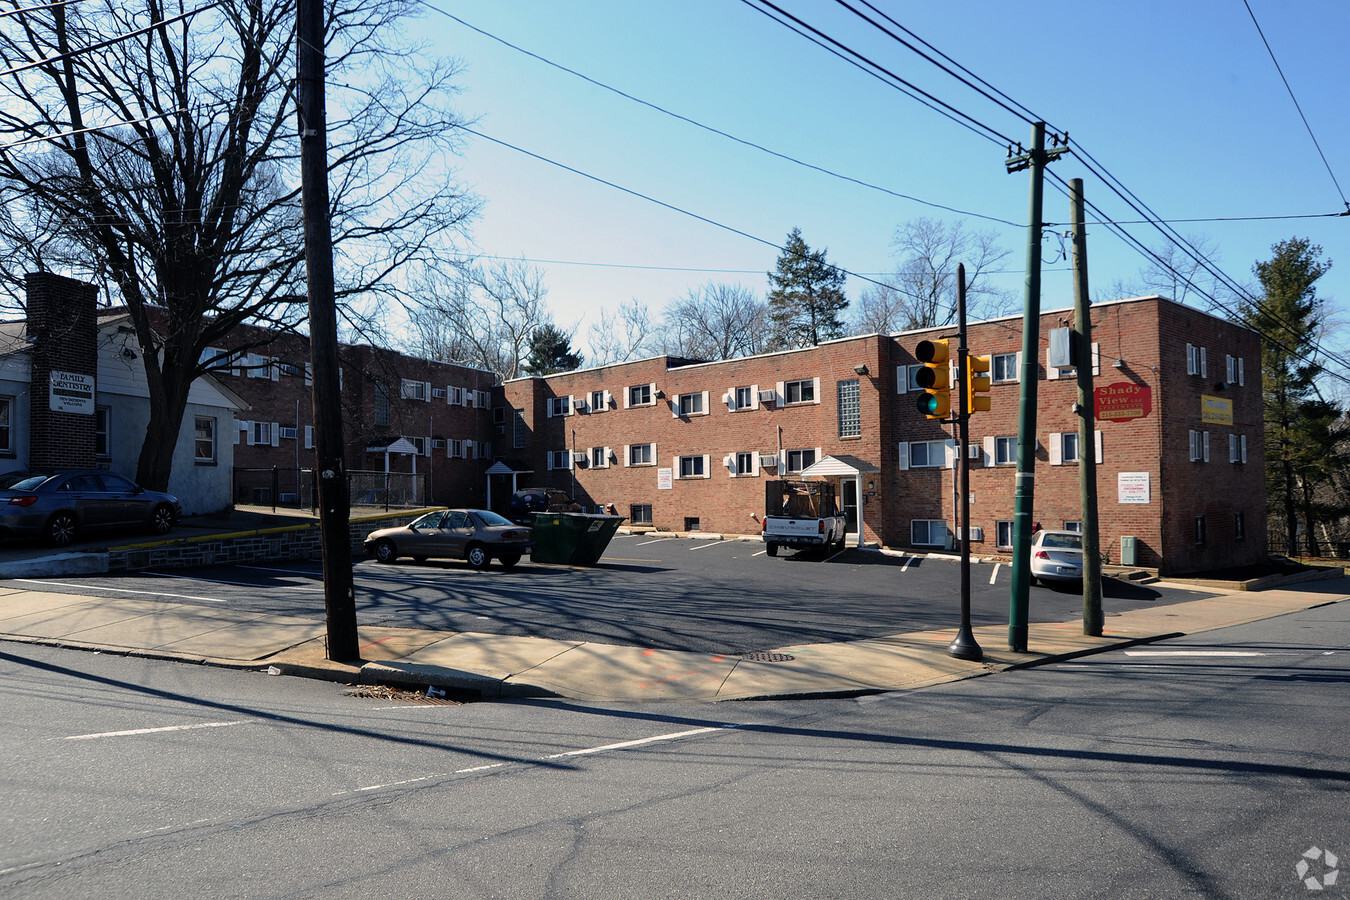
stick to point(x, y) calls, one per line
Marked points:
point(1123, 401)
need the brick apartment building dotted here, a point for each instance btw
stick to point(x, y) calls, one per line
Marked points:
point(401, 415)
point(684, 445)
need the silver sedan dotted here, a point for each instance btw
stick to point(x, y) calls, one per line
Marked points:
point(476, 535)
point(1057, 556)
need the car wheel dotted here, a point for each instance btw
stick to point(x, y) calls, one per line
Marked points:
point(386, 552)
point(771, 549)
point(60, 530)
point(161, 520)
point(508, 559)
point(478, 556)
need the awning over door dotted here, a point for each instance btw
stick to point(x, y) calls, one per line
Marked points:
point(832, 466)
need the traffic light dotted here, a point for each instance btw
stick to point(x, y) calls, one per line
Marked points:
point(977, 384)
point(934, 378)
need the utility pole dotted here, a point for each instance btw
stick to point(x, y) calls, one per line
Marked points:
point(965, 645)
point(1025, 485)
point(1087, 419)
point(334, 509)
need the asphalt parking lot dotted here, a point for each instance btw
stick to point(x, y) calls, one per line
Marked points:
point(648, 590)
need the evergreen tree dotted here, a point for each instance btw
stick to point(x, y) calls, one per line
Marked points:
point(1290, 318)
point(550, 352)
point(806, 298)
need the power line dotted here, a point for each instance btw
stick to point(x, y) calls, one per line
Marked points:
point(717, 131)
point(1296, 104)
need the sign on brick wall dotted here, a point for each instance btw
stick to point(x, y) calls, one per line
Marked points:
point(1132, 487)
point(72, 392)
point(1123, 401)
point(1216, 410)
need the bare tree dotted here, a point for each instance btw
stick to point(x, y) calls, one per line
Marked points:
point(716, 321)
point(921, 293)
point(480, 317)
point(1178, 275)
point(625, 335)
point(156, 155)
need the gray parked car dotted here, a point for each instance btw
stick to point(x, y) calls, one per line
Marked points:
point(477, 535)
point(1056, 556)
point(58, 506)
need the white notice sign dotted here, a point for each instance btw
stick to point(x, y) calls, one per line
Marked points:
point(72, 393)
point(664, 479)
point(1132, 487)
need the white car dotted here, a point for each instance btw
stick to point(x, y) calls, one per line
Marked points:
point(1056, 556)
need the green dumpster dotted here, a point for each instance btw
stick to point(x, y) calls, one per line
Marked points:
point(575, 539)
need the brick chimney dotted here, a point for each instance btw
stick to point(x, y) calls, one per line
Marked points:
point(63, 333)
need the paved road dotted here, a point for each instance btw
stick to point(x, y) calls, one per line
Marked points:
point(1203, 767)
point(698, 595)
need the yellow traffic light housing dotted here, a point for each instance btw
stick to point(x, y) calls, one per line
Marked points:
point(977, 384)
point(934, 378)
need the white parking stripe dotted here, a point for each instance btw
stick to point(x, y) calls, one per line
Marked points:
point(904, 567)
point(639, 742)
point(103, 734)
point(709, 544)
point(657, 541)
point(106, 587)
point(994, 574)
point(252, 584)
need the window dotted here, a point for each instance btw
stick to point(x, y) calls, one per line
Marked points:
point(213, 359)
point(6, 417)
point(454, 448)
point(692, 404)
point(482, 399)
point(850, 409)
point(483, 449)
point(1195, 361)
point(924, 454)
point(204, 440)
point(1064, 447)
point(1005, 451)
point(599, 457)
point(101, 432)
point(745, 397)
point(560, 406)
point(381, 406)
point(1237, 448)
point(691, 523)
point(799, 391)
point(641, 454)
point(454, 395)
point(286, 432)
point(1235, 373)
point(1199, 530)
point(1199, 446)
point(928, 532)
point(904, 379)
point(420, 444)
point(438, 443)
point(519, 432)
point(285, 368)
point(640, 514)
point(1239, 526)
point(693, 466)
point(260, 367)
point(641, 395)
point(499, 415)
point(745, 464)
point(799, 459)
point(261, 433)
point(559, 459)
point(438, 393)
point(1003, 367)
point(1004, 534)
point(599, 401)
point(1074, 526)
point(309, 437)
point(1068, 442)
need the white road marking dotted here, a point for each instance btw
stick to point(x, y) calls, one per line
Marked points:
point(708, 544)
point(994, 574)
point(1188, 653)
point(760, 553)
point(639, 742)
point(307, 573)
point(904, 566)
point(106, 587)
point(657, 541)
point(87, 737)
point(250, 584)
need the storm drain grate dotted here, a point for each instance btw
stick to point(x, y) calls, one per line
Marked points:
point(768, 657)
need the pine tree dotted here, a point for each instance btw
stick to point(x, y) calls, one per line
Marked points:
point(550, 352)
point(1289, 319)
point(806, 299)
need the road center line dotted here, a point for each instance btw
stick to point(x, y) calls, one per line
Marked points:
point(1193, 653)
point(106, 587)
point(639, 742)
point(86, 737)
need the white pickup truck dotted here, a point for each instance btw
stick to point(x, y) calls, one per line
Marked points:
point(801, 514)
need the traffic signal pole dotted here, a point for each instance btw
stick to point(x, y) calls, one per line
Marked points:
point(965, 646)
point(1025, 486)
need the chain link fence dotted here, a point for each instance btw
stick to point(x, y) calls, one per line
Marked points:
point(293, 488)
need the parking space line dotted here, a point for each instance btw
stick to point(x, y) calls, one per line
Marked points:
point(994, 574)
point(708, 544)
point(904, 566)
point(107, 587)
point(657, 541)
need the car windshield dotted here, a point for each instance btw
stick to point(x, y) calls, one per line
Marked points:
point(487, 517)
point(29, 483)
point(430, 520)
point(1062, 541)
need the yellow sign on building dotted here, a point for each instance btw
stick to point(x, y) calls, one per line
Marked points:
point(1216, 410)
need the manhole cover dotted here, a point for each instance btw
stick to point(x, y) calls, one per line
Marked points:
point(768, 657)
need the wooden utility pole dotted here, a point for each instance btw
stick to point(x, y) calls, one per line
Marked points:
point(334, 508)
point(1087, 419)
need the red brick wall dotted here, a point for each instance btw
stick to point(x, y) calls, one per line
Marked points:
point(61, 325)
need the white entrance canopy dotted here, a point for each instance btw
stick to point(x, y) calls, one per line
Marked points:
point(845, 467)
point(501, 468)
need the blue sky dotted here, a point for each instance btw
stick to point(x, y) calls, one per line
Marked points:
point(1179, 101)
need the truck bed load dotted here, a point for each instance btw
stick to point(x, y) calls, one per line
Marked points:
point(801, 514)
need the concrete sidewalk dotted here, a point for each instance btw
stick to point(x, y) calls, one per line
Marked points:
point(496, 666)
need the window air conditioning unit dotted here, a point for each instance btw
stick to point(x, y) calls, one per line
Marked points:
point(767, 396)
point(974, 451)
point(579, 404)
point(580, 456)
point(768, 460)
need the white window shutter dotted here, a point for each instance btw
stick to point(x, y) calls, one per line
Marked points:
point(754, 399)
point(1204, 368)
point(1243, 443)
point(818, 456)
point(1232, 448)
point(239, 426)
point(1097, 441)
point(949, 453)
point(1096, 358)
point(627, 455)
point(904, 456)
point(730, 462)
point(274, 369)
point(309, 437)
point(706, 408)
point(778, 398)
point(1241, 379)
point(754, 461)
point(276, 434)
point(651, 388)
point(675, 407)
point(1190, 359)
point(901, 379)
point(609, 399)
point(707, 465)
point(1206, 443)
point(1051, 372)
point(1056, 448)
point(989, 451)
point(815, 388)
point(729, 398)
point(626, 394)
